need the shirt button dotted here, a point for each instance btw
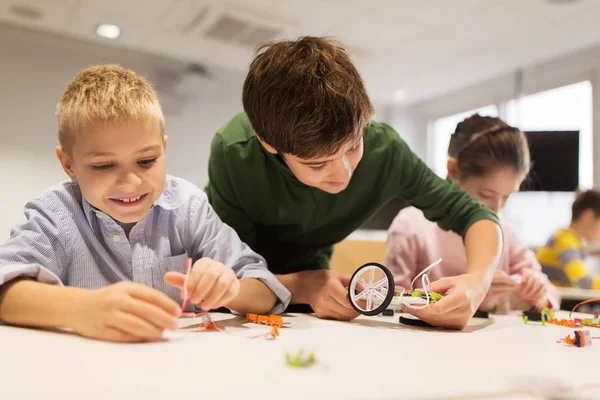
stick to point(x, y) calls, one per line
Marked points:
point(116, 238)
point(143, 283)
point(98, 215)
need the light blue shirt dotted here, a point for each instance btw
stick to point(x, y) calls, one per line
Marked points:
point(66, 241)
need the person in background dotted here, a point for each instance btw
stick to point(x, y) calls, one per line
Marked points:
point(489, 159)
point(563, 256)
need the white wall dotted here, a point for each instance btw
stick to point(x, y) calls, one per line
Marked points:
point(34, 70)
point(411, 125)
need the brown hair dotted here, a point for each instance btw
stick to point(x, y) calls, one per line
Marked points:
point(305, 97)
point(105, 94)
point(481, 144)
point(587, 200)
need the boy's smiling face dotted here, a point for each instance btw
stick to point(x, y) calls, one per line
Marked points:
point(120, 168)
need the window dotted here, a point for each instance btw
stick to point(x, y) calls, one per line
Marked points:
point(439, 136)
point(535, 215)
point(563, 108)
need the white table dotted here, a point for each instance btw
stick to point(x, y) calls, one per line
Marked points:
point(369, 358)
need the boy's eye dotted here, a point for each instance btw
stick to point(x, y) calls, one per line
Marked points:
point(317, 167)
point(102, 166)
point(354, 149)
point(484, 196)
point(147, 163)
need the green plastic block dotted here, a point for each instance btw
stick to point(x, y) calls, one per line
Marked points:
point(436, 296)
point(299, 361)
point(416, 294)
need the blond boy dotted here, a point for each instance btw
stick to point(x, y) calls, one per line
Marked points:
point(104, 254)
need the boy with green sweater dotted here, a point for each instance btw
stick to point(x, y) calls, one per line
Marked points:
point(304, 166)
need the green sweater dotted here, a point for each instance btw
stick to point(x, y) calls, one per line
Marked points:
point(294, 226)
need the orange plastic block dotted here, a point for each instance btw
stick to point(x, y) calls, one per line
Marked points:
point(275, 320)
point(252, 318)
point(268, 320)
point(562, 322)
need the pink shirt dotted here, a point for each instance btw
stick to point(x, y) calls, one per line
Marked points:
point(414, 242)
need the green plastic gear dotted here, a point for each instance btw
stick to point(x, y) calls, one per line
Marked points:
point(416, 294)
point(436, 296)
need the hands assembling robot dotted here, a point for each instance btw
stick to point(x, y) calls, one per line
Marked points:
point(372, 290)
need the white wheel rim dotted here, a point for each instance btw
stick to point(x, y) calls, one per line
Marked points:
point(373, 293)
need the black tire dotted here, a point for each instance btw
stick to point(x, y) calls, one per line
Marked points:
point(388, 297)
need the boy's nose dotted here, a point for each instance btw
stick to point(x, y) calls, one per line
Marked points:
point(129, 178)
point(343, 170)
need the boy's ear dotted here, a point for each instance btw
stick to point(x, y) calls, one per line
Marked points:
point(452, 167)
point(66, 162)
point(165, 141)
point(264, 144)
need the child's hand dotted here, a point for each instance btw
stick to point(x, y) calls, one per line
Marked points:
point(502, 284)
point(462, 296)
point(327, 294)
point(125, 312)
point(210, 284)
point(534, 285)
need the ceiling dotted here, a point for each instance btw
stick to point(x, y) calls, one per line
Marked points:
point(425, 47)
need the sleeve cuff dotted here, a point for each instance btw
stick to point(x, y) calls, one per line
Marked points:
point(31, 271)
point(265, 276)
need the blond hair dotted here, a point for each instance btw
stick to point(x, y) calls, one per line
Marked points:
point(105, 94)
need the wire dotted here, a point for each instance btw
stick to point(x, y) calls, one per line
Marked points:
point(425, 284)
point(188, 267)
point(582, 303)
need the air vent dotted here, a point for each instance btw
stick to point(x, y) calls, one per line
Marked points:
point(245, 32)
point(227, 28)
point(224, 21)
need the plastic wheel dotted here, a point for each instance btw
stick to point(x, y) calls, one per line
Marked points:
point(373, 294)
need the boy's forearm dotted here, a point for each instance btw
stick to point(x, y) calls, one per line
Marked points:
point(483, 243)
point(35, 304)
point(254, 297)
point(297, 285)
